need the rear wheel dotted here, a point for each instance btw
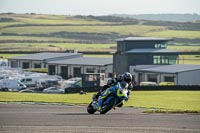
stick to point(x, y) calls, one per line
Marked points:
point(108, 106)
point(90, 109)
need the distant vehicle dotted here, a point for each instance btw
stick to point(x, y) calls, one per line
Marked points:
point(148, 84)
point(53, 90)
point(11, 85)
point(71, 83)
point(32, 80)
point(29, 81)
point(74, 79)
point(45, 83)
point(27, 91)
point(166, 83)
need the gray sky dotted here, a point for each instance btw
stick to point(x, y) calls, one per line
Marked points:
point(99, 7)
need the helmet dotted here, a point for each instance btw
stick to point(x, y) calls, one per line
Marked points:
point(127, 77)
point(110, 82)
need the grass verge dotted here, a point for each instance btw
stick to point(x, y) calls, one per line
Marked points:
point(151, 101)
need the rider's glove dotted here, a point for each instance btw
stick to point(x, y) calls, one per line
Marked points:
point(126, 99)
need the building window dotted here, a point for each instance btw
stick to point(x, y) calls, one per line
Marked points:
point(152, 77)
point(25, 65)
point(172, 59)
point(169, 79)
point(38, 65)
point(166, 60)
point(90, 70)
point(110, 75)
point(102, 71)
point(28, 80)
point(161, 45)
point(156, 59)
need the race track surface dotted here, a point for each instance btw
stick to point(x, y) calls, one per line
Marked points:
point(24, 118)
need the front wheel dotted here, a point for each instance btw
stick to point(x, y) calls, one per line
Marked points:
point(90, 109)
point(108, 106)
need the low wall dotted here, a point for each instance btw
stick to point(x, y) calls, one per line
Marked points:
point(138, 88)
point(176, 87)
point(84, 89)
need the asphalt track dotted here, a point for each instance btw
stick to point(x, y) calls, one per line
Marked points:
point(26, 118)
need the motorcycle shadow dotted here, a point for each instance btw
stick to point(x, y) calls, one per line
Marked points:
point(91, 114)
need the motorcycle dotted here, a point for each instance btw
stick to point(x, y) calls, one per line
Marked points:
point(110, 98)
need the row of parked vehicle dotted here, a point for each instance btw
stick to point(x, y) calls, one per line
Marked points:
point(18, 80)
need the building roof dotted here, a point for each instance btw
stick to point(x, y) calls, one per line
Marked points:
point(84, 61)
point(171, 68)
point(43, 56)
point(150, 50)
point(144, 39)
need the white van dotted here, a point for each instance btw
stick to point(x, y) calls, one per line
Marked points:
point(29, 81)
point(71, 83)
point(11, 85)
point(32, 80)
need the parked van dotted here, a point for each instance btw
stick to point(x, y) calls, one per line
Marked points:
point(29, 81)
point(45, 83)
point(71, 83)
point(32, 80)
point(11, 85)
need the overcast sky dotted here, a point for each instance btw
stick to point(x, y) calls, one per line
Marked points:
point(100, 7)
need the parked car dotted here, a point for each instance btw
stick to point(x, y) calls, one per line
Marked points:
point(53, 90)
point(166, 83)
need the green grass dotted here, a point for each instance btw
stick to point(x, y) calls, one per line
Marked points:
point(156, 101)
point(32, 38)
point(47, 98)
point(166, 100)
point(184, 48)
point(175, 33)
point(5, 56)
point(49, 19)
point(99, 55)
point(55, 46)
point(123, 29)
point(84, 25)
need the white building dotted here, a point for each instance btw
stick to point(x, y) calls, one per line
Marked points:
point(76, 66)
point(39, 60)
point(179, 74)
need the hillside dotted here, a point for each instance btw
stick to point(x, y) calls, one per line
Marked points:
point(164, 17)
point(38, 32)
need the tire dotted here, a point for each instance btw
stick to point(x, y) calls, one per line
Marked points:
point(120, 105)
point(90, 109)
point(109, 106)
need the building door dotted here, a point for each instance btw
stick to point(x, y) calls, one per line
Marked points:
point(14, 64)
point(64, 72)
point(52, 69)
point(77, 72)
point(25, 65)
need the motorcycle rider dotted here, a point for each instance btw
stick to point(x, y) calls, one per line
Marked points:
point(127, 77)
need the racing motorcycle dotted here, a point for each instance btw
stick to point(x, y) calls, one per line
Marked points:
point(110, 98)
